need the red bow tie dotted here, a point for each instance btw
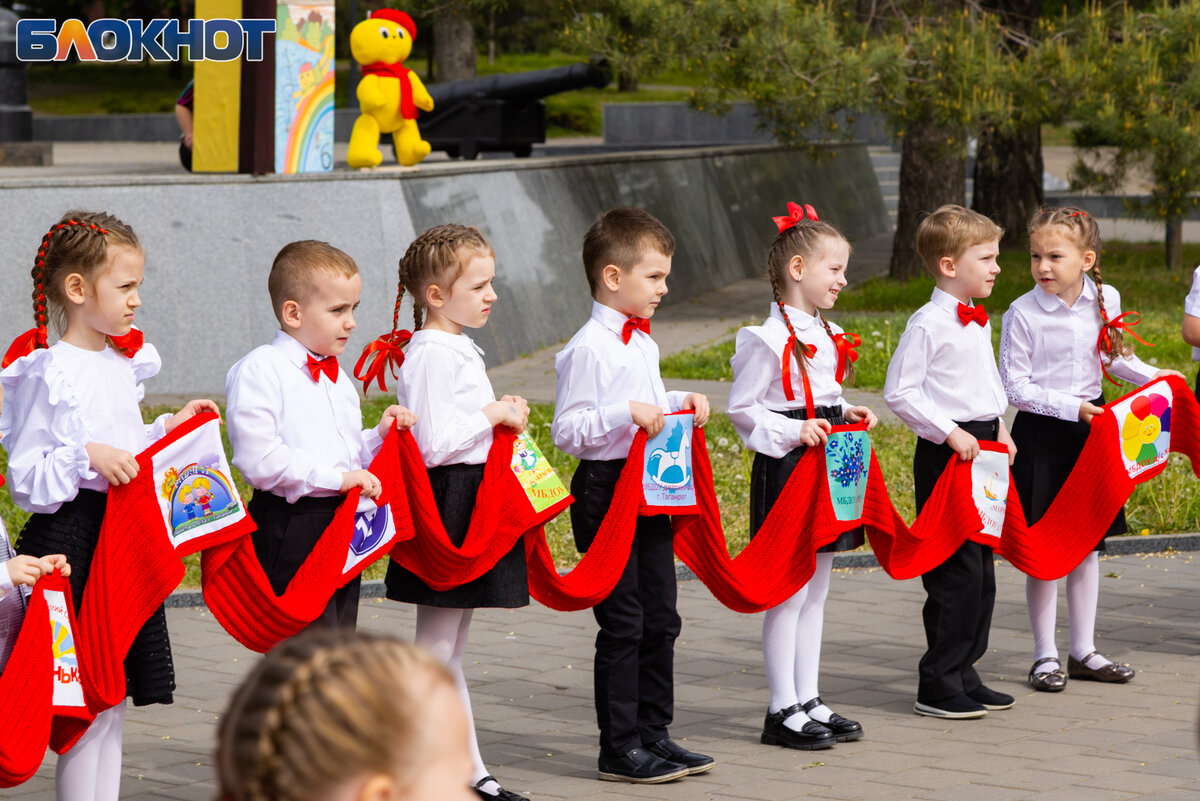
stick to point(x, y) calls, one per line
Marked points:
point(639, 323)
point(968, 314)
point(328, 366)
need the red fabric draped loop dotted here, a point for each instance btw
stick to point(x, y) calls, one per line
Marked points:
point(847, 355)
point(795, 214)
point(380, 356)
point(1104, 340)
point(789, 350)
point(23, 345)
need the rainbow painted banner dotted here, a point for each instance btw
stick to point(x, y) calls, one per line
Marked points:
point(304, 87)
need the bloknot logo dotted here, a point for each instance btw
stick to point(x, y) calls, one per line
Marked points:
point(136, 39)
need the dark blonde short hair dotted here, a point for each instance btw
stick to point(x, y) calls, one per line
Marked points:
point(292, 272)
point(951, 230)
point(623, 236)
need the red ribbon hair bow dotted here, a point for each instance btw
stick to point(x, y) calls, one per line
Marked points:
point(796, 213)
point(23, 345)
point(385, 355)
point(129, 344)
point(789, 350)
point(846, 344)
point(1104, 340)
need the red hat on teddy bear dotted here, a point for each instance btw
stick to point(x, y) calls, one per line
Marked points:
point(398, 17)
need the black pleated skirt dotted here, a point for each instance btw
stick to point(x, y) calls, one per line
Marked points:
point(1047, 449)
point(505, 586)
point(768, 475)
point(73, 531)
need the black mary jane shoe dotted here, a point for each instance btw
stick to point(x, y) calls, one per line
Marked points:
point(844, 730)
point(1047, 681)
point(501, 793)
point(812, 735)
point(1112, 672)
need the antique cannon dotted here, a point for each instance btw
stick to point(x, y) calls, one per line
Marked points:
point(501, 112)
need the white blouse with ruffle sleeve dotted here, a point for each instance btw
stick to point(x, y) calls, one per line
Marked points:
point(56, 401)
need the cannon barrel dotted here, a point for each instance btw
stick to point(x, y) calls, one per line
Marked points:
point(521, 87)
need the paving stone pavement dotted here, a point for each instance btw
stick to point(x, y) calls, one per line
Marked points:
point(530, 677)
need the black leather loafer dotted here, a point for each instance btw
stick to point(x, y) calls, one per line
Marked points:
point(639, 766)
point(844, 730)
point(671, 751)
point(1113, 672)
point(812, 735)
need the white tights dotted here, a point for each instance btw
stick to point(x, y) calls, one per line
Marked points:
point(1083, 593)
point(443, 632)
point(91, 770)
point(791, 639)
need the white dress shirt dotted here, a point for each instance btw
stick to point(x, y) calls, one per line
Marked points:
point(290, 435)
point(1048, 358)
point(943, 371)
point(1191, 306)
point(757, 391)
point(444, 381)
point(598, 375)
point(58, 400)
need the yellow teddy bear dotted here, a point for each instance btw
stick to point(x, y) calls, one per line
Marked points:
point(389, 94)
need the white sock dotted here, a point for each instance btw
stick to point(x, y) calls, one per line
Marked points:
point(809, 626)
point(1083, 595)
point(444, 633)
point(1042, 599)
point(91, 770)
point(779, 656)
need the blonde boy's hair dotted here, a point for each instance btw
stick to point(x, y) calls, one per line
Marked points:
point(951, 230)
point(295, 266)
point(622, 236)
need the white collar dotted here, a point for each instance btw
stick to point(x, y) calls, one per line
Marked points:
point(459, 342)
point(609, 317)
point(1050, 302)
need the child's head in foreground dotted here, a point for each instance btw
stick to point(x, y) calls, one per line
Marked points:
point(315, 289)
point(959, 248)
point(339, 715)
point(627, 257)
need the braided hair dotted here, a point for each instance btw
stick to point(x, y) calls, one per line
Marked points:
point(78, 243)
point(439, 256)
point(805, 238)
point(324, 708)
point(1081, 228)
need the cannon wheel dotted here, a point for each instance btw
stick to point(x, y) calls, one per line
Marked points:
point(469, 150)
point(523, 151)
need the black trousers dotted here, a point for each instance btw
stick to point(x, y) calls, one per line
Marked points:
point(960, 592)
point(286, 535)
point(635, 647)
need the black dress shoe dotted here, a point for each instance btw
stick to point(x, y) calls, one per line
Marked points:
point(812, 735)
point(501, 793)
point(844, 730)
point(956, 707)
point(671, 751)
point(639, 766)
point(1112, 672)
point(991, 699)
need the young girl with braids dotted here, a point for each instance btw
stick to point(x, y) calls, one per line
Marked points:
point(334, 715)
point(1058, 342)
point(448, 273)
point(71, 426)
point(786, 395)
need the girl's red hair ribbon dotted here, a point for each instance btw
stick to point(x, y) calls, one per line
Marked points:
point(796, 213)
point(385, 354)
point(23, 345)
point(789, 350)
point(1104, 340)
point(846, 344)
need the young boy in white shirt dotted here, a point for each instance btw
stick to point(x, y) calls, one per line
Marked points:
point(608, 387)
point(943, 383)
point(294, 417)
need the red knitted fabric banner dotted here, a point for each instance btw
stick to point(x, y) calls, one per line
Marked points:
point(40, 687)
point(237, 590)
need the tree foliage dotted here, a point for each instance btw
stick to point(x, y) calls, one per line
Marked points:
point(638, 37)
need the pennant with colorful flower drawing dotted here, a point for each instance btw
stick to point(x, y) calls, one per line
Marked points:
point(847, 462)
point(1144, 425)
